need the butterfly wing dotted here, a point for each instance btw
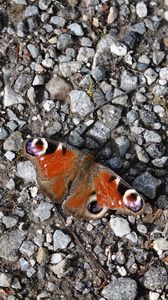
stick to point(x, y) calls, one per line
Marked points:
point(99, 190)
point(57, 165)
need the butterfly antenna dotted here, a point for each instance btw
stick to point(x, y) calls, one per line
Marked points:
point(91, 257)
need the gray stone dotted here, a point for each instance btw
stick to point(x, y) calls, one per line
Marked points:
point(11, 97)
point(121, 289)
point(164, 73)
point(160, 162)
point(10, 184)
point(85, 54)
point(152, 136)
point(139, 28)
point(44, 4)
point(155, 150)
point(119, 97)
point(86, 42)
point(26, 171)
point(141, 9)
point(9, 222)
point(34, 50)
point(55, 128)
point(140, 97)
point(5, 280)
point(13, 142)
point(27, 248)
point(10, 243)
point(158, 57)
point(129, 82)
point(99, 132)
point(155, 278)
point(123, 144)
point(75, 139)
point(9, 155)
point(69, 68)
point(57, 258)
point(58, 88)
point(76, 29)
point(20, 2)
point(103, 52)
point(111, 115)
point(115, 163)
point(148, 117)
point(160, 245)
point(30, 272)
point(31, 10)
point(132, 116)
point(147, 184)
point(162, 202)
point(80, 103)
point(141, 154)
point(22, 29)
point(118, 48)
point(43, 211)
point(3, 133)
point(60, 240)
point(48, 63)
point(38, 80)
point(113, 14)
point(98, 73)
point(160, 90)
point(150, 75)
point(120, 226)
point(64, 40)
point(23, 82)
point(57, 21)
point(32, 23)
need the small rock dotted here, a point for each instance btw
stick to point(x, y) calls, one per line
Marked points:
point(9, 222)
point(128, 81)
point(121, 289)
point(162, 202)
point(150, 75)
point(5, 280)
point(14, 142)
point(57, 21)
point(142, 228)
point(58, 88)
point(141, 154)
point(56, 258)
point(99, 132)
point(69, 68)
point(43, 211)
point(10, 184)
point(26, 171)
point(158, 57)
point(60, 240)
point(160, 90)
point(38, 80)
point(113, 14)
point(118, 48)
point(31, 10)
point(44, 4)
point(164, 73)
point(27, 248)
point(3, 133)
point(160, 245)
point(152, 137)
point(85, 54)
point(155, 278)
point(123, 144)
point(23, 82)
point(155, 150)
point(160, 162)
point(76, 29)
point(42, 256)
point(120, 226)
point(11, 97)
point(98, 73)
point(30, 272)
point(132, 237)
point(34, 51)
point(111, 115)
point(48, 63)
point(55, 128)
point(147, 184)
point(154, 296)
point(9, 155)
point(139, 28)
point(64, 40)
point(60, 268)
point(141, 9)
point(80, 103)
point(115, 163)
point(22, 29)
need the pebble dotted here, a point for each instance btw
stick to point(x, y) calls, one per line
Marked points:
point(160, 90)
point(160, 162)
point(10, 184)
point(48, 63)
point(14, 142)
point(80, 103)
point(120, 226)
point(60, 268)
point(42, 256)
point(9, 155)
point(38, 80)
point(150, 75)
point(111, 115)
point(22, 29)
point(162, 202)
point(64, 40)
point(69, 68)
point(60, 240)
point(10, 242)
point(152, 136)
point(27, 248)
point(5, 279)
point(58, 88)
point(34, 51)
point(155, 278)
point(141, 154)
point(23, 82)
point(43, 4)
point(113, 14)
point(98, 73)
point(76, 29)
point(85, 54)
point(123, 144)
point(115, 163)
point(141, 10)
point(26, 171)
point(164, 73)
point(99, 132)
point(160, 245)
point(132, 237)
point(147, 184)
point(118, 48)
point(155, 150)
point(129, 82)
point(55, 128)
point(31, 10)
point(9, 222)
point(57, 21)
point(154, 296)
point(56, 258)
point(3, 133)
point(11, 97)
point(43, 211)
point(121, 288)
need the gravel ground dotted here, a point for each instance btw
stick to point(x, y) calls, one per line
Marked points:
point(59, 60)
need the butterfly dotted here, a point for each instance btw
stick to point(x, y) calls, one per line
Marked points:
point(85, 188)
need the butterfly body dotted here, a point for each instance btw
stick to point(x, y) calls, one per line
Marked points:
point(85, 189)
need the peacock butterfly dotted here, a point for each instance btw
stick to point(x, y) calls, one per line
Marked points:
point(85, 188)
